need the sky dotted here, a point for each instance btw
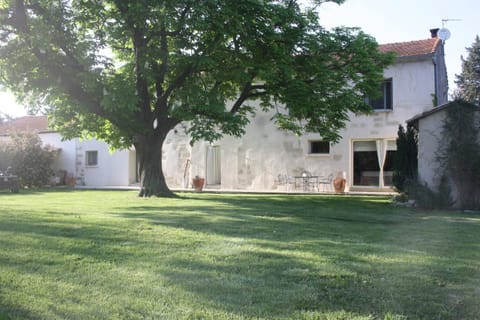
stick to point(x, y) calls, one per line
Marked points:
point(388, 21)
point(406, 20)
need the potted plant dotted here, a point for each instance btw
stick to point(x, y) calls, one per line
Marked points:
point(339, 182)
point(198, 183)
point(71, 181)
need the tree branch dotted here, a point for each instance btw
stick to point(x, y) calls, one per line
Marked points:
point(140, 43)
point(178, 82)
point(161, 70)
point(139, 47)
point(174, 33)
point(248, 91)
point(20, 16)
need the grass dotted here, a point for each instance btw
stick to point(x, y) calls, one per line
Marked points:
point(110, 255)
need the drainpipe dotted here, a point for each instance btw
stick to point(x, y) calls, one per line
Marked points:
point(434, 34)
point(435, 79)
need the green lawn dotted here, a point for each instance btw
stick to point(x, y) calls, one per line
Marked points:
point(110, 255)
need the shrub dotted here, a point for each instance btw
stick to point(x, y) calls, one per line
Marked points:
point(28, 159)
point(405, 161)
point(460, 156)
point(6, 157)
point(427, 198)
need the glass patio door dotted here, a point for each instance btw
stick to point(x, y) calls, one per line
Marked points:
point(373, 162)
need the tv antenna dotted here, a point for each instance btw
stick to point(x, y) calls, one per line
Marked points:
point(444, 34)
point(444, 21)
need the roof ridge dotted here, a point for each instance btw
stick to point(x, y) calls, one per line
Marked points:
point(410, 41)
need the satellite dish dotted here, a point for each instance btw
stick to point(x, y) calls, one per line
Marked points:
point(444, 34)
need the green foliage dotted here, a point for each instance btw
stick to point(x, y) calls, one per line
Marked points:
point(112, 69)
point(468, 81)
point(459, 157)
point(426, 198)
point(6, 157)
point(28, 159)
point(406, 158)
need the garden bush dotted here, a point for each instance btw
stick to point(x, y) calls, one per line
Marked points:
point(405, 161)
point(427, 198)
point(28, 159)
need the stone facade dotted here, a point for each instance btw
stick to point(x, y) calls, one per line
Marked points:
point(255, 161)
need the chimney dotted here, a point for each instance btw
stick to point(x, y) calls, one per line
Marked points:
point(434, 32)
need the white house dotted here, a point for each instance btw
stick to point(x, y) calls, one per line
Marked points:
point(90, 162)
point(415, 83)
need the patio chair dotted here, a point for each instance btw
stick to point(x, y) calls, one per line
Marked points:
point(326, 182)
point(284, 180)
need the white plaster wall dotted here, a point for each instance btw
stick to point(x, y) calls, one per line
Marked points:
point(119, 170)
point(429, 137)
point(254, 161)
point(113, 167)
point(66, 157)
point(176, 159)
point(413, 86)
point(429, 142)
point(132, 171)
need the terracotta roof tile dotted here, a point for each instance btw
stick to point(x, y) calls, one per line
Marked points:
point(28, 123)
point(412, 48)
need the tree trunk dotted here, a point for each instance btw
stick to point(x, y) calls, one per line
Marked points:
point(149, 150)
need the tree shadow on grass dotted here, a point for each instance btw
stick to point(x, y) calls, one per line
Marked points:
point(265, 284)
point(96, 241)
point(260, 217)
point(255, 257)
point(263, 280)
point(12, 311)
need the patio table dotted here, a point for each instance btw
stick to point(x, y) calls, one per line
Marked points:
point(306, 182)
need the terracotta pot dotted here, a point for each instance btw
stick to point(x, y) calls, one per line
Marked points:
point(339, 185)
point(71, 181)
point(198, 183)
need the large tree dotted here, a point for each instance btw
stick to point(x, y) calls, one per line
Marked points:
point(468, 81)
point(129, 71)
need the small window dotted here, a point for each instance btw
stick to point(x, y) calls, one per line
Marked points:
point(92, 158)
point(319, 147)
point(385, 101)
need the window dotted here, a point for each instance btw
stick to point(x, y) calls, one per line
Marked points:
point(92, 158)
point(385, 101)
point(319, 147)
